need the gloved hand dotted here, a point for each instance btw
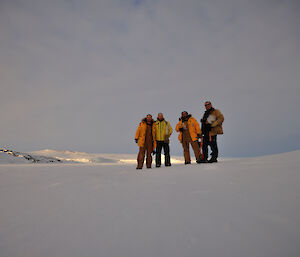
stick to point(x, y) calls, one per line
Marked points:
point(215, 123)
point(181, 129)
point(198, 136)
point(136, 140)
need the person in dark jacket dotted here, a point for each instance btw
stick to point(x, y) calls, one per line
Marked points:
point(211, 126)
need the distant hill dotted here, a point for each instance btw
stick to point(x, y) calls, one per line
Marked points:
point(65, 156)
point(9, 156)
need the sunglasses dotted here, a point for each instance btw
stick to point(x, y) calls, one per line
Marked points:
point(207, 104)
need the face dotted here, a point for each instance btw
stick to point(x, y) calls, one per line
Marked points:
point(207, 105)
point(184, 114)
point(149, 118)
point(160, 116)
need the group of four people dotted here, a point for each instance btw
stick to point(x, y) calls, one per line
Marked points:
point(153, 136)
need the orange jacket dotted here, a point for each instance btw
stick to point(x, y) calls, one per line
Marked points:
point(141, 133)
point(194, 128)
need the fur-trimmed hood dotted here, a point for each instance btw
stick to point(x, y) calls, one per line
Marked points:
point(145, 120)
point(187, 118)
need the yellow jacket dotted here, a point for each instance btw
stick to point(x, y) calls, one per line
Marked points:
point(193, 126)
point(163, 130)
point(141, 133)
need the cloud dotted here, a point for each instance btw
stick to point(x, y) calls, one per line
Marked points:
point(80, 75)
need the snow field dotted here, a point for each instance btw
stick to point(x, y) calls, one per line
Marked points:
point(246, 207)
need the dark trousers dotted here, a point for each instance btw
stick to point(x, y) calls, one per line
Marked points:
point(160, 145)
point(213, 146)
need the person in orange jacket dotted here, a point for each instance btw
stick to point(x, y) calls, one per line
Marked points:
point(145, 137)
point(189, 133)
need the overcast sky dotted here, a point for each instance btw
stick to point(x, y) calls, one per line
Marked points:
point(80, 75)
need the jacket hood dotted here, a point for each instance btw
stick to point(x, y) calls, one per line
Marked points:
point(161, 120)
point(145, 120)
point(187, 118)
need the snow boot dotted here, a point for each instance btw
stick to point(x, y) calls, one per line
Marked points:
point(167, 160)
point(212, 160)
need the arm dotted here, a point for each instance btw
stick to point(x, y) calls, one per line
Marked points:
point(170, 129)
point(154, 131)
point(137, 134)
point(154, 138)
point(219, 119)
point(197, 127)
point(178, 126)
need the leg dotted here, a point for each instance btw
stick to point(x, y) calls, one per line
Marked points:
point(186, 151)
point(195, 147)
point(214, 148)
point(158, 153)
point(205, 147)
point(167, 154)
point(149, 150)
point(141, 157)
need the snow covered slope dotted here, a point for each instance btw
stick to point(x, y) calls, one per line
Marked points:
point(77, 157)
point(238, 208)
point(56, 156)
point(13, 157)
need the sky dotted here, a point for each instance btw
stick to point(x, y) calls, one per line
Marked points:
point(80, 75)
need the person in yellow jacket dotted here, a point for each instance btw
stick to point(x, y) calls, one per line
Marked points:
point(189, 133)
point(211, 124)
point(145, 137)
point(163, 133)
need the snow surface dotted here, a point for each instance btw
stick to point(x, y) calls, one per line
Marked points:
point(237, 208)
